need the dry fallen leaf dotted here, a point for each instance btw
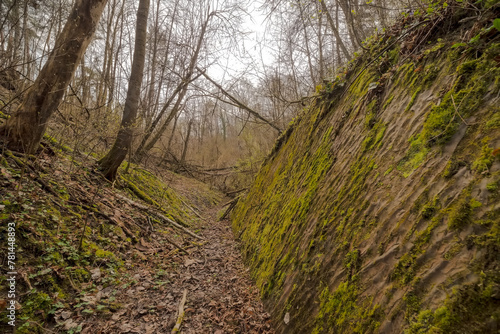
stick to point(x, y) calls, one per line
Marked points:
point(286, 320)
point(96, 274)
point(189, 262)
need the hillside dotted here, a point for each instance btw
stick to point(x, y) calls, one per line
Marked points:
point(378, 209)
point(91, 256)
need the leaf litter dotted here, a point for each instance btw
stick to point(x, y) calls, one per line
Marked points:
point(129, 279)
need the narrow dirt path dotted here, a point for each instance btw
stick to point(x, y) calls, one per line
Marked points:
point(220, 295)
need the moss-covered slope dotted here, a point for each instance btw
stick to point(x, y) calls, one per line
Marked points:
point(76, 235)
point(378, 209)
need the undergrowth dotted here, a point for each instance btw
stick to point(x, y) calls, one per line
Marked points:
point(69, 224)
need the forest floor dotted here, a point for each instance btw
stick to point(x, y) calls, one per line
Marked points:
point(95, 257)
point(220, 296)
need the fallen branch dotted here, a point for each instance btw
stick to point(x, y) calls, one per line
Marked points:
point(231, 201)
point(194, 211)
point(36, 176)
point(176, 245)
point(238, 103)
point(26, 280)
point(232, 205)
point(180, 317)
point(171, 222)
point(231, 193)
point(97, 212)
point(159, 215)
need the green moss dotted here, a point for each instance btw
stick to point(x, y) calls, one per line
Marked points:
point(374, 137)
point(467, 310)
point(146, 186)
point(371, 113)
point(78, 274)
point(389, 170)
point(454, 250)
point(388, 102)
point(54, 142)
point(489, 240)
point(408, 265)
point(340, 311)
point(473, 80)
point(430, 208)
point(435, 48)
point(493, 186)
point(413, 98)
point(405, 74)
point(494, 122)
point(352, 263)
point(452, 167)
point(101, 255)
point(485, 159)
point(460, 214)
point(413, 159)
point(36, 308)
point(359, 88)
point(413, 304)
point(393, 55)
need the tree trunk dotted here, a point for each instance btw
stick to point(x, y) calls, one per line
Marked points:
point(224, 126)
point(151, 107)
point(171, 138)
point(320, 45)
point(110, 163)
point(335, 30)
point(119, 23)
point(181, 91)
point(306, 41)
point(24, 130)
point(351, 29)
point(186, 142)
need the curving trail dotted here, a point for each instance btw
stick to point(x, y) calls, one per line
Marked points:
point(220, 295)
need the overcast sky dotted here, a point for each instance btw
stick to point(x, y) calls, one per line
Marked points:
point(253, 44)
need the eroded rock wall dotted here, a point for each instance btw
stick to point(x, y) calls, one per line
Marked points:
point(378, 209)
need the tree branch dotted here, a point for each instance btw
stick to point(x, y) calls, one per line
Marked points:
point(238, 102)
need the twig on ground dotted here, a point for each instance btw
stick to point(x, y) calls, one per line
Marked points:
point(180, 317)
point(26, 280)
point(456, 110)
point(171, 222)
point(176, 245)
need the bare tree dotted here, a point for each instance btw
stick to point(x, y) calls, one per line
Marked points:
point(24, 130)
point(110, 163)
point(178, 95)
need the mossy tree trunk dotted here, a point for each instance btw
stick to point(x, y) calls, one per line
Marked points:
point(24, 130)
point(110, 163)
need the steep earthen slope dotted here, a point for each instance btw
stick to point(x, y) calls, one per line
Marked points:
point(378, 209)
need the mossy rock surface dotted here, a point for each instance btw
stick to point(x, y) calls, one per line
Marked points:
point(377, 211)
